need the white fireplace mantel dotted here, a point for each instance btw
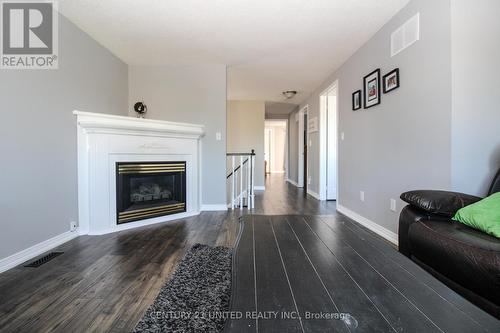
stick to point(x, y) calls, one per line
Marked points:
point(110, 124)
point(104, 140)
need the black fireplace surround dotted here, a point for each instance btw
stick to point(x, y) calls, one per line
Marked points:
point(149, 189)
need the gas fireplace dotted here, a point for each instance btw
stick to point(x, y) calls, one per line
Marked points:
point(149, 189)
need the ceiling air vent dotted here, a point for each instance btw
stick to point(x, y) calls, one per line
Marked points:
point(405, 35)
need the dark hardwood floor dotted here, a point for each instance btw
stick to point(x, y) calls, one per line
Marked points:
point(317, 266)
point(281, 198)
point(106, 283)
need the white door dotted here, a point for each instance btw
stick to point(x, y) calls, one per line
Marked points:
point(279, 136)
point(331, 187)
point(267, 149)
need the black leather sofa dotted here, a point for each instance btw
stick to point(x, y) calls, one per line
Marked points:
point(465, 259)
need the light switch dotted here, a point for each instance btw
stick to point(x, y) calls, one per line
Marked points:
point(310, 143)
point(342, 136)
point(218, 136)
point(392, 205)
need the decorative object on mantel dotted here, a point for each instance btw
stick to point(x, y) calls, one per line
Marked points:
point(140, 108)
point(356, 100)
point(371, 84)
point(391, 80)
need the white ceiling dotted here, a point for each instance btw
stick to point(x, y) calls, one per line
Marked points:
point(269, 45)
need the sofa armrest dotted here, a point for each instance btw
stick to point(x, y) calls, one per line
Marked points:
point(443, 203)
point(408, 216)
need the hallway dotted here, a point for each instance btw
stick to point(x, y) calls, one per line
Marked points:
point(281, 197)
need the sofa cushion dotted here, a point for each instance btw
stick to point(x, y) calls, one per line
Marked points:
point(483, 215)
point(467, 256)
point(442, 203)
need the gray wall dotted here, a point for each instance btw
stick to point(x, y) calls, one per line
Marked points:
point(38, 136)
point(245, 131)
point(194, 94)
point(405, 142)
point(476, 94)
point(293, 147)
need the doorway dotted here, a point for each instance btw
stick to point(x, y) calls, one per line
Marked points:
point(275, 146)
point(267, 150)
point(302, 147)
point(328, 143)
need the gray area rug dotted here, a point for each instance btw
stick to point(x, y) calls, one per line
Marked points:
point(196, 295)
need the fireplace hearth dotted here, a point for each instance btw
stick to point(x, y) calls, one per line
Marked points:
point(149, 189)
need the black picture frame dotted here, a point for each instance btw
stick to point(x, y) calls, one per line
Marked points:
point(371, 79)
point(358, 106)
point(395, 73)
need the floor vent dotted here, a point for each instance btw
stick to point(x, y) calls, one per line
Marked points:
point(44, 259)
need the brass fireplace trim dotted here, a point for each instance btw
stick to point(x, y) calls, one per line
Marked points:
point(124, 169)
point(150, 212)
point(151, 168)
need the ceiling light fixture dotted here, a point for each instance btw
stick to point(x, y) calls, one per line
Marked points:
point(289, 94)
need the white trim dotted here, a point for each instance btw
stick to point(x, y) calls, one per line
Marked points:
point(268, 133)
point(301, 139)
point(143, 223)
point(259, 188)
point(376, 228)
point(213, 207)
point(313, 194)
point(294, 183)
point(110, 124)
point(35, 250)
point(323, 154)
point(278, 171)
point(323, 145)
point(200, 175)
point(287, 153)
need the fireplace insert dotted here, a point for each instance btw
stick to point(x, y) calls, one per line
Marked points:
point(149, 189)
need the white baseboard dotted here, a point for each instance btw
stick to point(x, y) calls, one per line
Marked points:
point(313, 194)
point(278, 171)
point(35, 250)
point(294, 183)
point(259, 188)
point(143, 223)
point(211, 208)
point(376, 228)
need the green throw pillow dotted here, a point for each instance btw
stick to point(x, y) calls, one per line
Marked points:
point(483, 215)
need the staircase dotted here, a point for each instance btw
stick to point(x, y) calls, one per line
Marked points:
point(240, 180)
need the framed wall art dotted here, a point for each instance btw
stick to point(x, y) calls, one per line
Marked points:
point(391, 80)
point(356, 100)
point(371, 84)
